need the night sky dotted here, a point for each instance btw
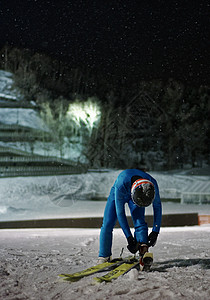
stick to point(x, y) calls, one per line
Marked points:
point(136, 39)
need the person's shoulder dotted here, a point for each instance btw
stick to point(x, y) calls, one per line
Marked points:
point(152, 179)
point(131, 172)
point(124, 173)
point(125, 176)
point(148, 176)
point(135, 171)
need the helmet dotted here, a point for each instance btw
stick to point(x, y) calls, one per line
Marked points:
point(142, 192)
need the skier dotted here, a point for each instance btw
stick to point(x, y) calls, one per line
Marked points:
point(139, 190)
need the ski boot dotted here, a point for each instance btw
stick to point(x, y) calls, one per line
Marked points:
point(146, 258)
point(102, 260)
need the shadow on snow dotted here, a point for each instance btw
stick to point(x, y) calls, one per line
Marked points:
point(181, 263)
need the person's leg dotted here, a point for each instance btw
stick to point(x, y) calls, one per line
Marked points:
point(138, 217)
point(109, 222)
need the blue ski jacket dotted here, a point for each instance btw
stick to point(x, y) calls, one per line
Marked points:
point(122, 188)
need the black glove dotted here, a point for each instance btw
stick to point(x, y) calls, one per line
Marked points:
point(133, 245)
point(152, 238)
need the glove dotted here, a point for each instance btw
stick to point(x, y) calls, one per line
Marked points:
point(133, 245)
point(152, 238)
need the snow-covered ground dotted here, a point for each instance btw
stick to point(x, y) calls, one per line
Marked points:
point(71, 195)
point(32, 259)
point(7, 91)
point(28, 117)
point(21, 116)
point(16, 116)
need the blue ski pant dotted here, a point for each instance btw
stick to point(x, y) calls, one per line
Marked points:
point(110, 219)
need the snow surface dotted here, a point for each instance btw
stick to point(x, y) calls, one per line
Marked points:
point(32, 259)
point(6, 86)
point(30, 118)
point(13, 116)
point(71, 195)
point(21, 116)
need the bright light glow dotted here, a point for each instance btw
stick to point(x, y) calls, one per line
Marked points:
point(87, 112)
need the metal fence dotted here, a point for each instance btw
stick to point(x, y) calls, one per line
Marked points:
point(11, 171)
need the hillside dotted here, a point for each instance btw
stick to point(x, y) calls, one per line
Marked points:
point(25, 143)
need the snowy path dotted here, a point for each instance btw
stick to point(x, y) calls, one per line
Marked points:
point(32, 259)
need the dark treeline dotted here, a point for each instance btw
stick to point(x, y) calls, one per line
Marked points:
point(160, 124)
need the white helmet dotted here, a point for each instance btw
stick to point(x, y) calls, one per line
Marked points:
point(143, 192)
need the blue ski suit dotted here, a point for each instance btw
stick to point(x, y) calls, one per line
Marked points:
point(120, 194)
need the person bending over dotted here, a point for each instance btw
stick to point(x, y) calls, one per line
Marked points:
point(139, 190)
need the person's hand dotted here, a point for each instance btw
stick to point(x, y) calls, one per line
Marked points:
point(152, 239)
point(133, 245)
